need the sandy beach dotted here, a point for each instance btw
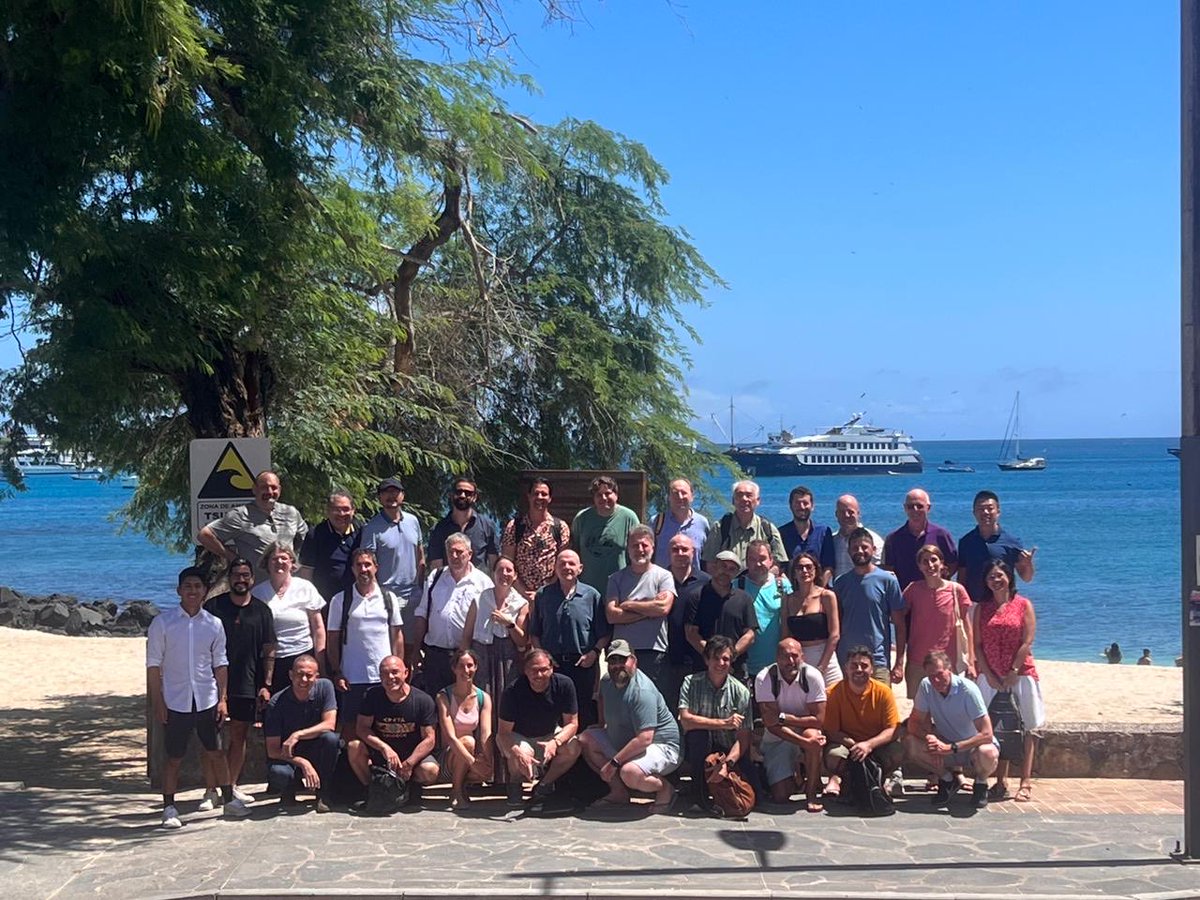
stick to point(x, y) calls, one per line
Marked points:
point(73, 701)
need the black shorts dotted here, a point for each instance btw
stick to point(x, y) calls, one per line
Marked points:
point(180, 726)
point(243, 709)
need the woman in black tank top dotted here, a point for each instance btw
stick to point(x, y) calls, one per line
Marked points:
point(812, 617)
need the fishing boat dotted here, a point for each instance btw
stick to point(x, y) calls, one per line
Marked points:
point(851, 448)
point(951, 466)
point(1011, 459)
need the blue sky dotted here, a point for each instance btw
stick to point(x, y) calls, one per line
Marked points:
point(935, 204)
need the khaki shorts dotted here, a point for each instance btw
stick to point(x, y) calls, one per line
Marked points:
point(889, 756)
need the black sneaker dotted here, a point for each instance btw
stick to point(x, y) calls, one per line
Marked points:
point(942, 797)
point(979, 795)
point(514, 794)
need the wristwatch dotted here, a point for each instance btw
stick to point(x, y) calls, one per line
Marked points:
point(953, 746)
point(615, 763)
point(782, 718)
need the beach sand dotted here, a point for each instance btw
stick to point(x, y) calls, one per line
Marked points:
point(73, 702)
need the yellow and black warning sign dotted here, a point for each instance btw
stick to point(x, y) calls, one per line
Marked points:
point(223, 472)
point(230, 477)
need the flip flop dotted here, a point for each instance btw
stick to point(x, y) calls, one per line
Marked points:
point(814, 806)
point(1025, 793)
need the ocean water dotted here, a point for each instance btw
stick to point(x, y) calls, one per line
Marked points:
point(1104, 516)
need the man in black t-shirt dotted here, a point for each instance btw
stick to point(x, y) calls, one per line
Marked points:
point(250, 646)
point(539, 716)
point(300, 730)
point(720, 608)
point(396, 728)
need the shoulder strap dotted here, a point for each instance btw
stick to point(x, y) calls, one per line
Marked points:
point(479, 697)
point(659, 521)
point(389, 600)
point(518, 529)
point(347, 599)
point(773, 674)
point(557, 524)
point(726, 530)
point(429, 594)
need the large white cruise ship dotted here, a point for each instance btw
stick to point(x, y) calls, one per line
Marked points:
point(847, 449)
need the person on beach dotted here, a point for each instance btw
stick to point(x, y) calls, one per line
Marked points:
point(722, 609)
point(396, 728)
point(300, 731)
point(714, 713)
point(1005, 627)
point(636, 744)
point(638, 600)
point(682, 658)
point(988, 541)
point(811, 613)
point(861, 720)
point(364, 628)
point(1112, 653)
point(934, 606)
point(949, 727)
point(295, 608)
point(465, 717)
point(246, 531)
point(869, 605)
point(250, 650)
point(463, 518)
point(848, 518)
point(501, 629)
point(600, 534)
point(791, 697)
point(569, 622)
point(766, 589)
point(325, 556)
point(446, 615)
point(737, 529)
point(533, 539)
point(395, 537)
point(187, 677)
point(539, 718)
point(803, 535)
point(679, 518)
point(1144, 659)
point(901, 546)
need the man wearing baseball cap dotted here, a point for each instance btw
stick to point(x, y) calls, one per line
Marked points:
point(395, 537)
point(636, 744)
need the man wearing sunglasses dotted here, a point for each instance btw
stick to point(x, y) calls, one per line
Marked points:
point(463, 518)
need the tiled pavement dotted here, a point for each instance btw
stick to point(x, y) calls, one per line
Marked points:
point(1090, 839)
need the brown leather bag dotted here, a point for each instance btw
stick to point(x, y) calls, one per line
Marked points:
point(729, 790)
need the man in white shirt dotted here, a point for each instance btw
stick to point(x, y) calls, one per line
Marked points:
point(445, 619)
point(791, 698)
point(187, 672)
point(364, 629)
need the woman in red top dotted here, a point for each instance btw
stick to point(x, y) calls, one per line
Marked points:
point(1005, 626)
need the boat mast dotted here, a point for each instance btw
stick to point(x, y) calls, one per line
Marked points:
point(731, 440)
point(1017, 425)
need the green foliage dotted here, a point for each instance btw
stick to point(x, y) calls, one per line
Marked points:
point(206, 211)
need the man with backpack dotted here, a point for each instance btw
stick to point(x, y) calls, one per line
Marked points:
point(791, 698)
point(533, 539)
point(737, 529)
point(364, 629)
point(861, 720)
point(445, 617)
point(679, 519)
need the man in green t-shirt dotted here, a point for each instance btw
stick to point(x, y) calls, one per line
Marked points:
point(600, 532)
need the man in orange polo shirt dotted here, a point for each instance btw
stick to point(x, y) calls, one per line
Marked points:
point(861, 720)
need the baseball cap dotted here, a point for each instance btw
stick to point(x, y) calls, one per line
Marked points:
point(727, 556)
point(392, 482)
point(619, 647)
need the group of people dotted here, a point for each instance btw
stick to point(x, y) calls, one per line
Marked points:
point(508, 656)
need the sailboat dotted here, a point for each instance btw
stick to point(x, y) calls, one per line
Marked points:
point(1012, 438)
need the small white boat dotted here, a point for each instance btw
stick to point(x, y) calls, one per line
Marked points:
point(129, 482)
point(1012, 438)
point(951, 466)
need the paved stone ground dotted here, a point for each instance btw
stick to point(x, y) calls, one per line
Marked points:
point(1106, 839)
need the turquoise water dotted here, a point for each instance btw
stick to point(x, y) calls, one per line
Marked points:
point(1104, 515)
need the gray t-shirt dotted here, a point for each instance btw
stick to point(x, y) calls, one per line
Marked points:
point(646, 634)
point(638, 707)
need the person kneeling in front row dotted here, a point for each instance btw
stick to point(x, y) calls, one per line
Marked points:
point(950, 727)
point(300, 730)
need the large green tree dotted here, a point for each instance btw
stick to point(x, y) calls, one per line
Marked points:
point(309, 221)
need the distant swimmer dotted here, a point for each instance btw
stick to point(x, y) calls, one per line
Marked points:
point(1112, 654)
point(1144, 659)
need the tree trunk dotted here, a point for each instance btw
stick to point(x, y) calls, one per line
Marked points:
point(231, 401)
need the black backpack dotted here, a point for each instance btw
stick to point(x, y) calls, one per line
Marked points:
point(386, 792)
point(1007, 726)
point(864, 780)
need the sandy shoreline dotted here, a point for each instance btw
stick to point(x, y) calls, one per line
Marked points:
point(42, 670)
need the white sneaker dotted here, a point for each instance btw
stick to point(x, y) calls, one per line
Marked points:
point(212, 799)
point(896, 784)
point(236, 809)
point(170, 817)
point(239, 794)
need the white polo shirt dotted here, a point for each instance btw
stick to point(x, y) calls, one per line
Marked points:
point(368, 639)
point(187, 649)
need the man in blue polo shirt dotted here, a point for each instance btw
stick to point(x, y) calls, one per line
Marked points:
point(803, 535)
point(988, 541)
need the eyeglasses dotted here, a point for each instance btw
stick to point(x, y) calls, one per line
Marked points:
point(462, 492)
point(806, 567)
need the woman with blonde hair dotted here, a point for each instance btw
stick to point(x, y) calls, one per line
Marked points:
point(935, 607)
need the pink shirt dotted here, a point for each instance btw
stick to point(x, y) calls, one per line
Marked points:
point(1000, 634)
point(931, 617)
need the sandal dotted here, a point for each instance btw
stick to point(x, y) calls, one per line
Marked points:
point(998, 791)
point(1025, 793)
point(814, 805)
